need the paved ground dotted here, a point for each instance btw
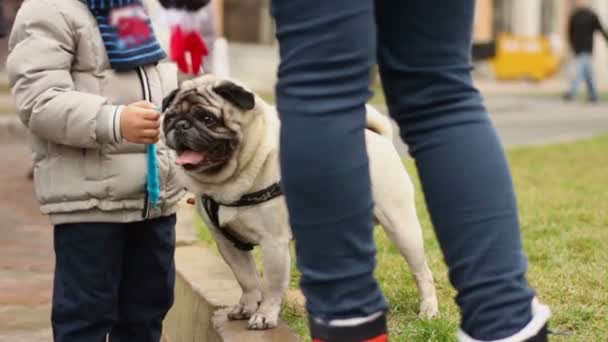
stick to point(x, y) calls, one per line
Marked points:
point(26, 253)
point(523, 121)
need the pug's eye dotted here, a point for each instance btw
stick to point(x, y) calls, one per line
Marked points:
point(209, 119)
point(168, 119)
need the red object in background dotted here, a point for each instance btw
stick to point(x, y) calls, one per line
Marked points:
point(184, 44)
point(133, 30)
point(381, 338)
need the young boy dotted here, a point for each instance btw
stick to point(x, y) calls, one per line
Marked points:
point(88, 77)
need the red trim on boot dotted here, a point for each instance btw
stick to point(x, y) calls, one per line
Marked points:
point(380, 338)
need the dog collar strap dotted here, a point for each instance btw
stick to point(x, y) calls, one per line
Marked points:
point(258, 197)
point(212, 208)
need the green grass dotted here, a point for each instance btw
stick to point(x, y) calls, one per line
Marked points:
point(563, 200)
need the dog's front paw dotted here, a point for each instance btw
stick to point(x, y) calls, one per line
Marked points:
point(247, 306)
point(262, 321)
point(429, 308)
point(240, 312)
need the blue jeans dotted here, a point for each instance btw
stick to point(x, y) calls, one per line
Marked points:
point(113, 279)
point(423, 48)
point(584, 72)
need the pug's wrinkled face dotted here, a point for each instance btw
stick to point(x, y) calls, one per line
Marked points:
point(201, 123)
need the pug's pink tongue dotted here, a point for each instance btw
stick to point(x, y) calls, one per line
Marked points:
point(189, 158)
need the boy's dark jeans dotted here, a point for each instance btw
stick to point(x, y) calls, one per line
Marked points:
point(113, 278)
point(423, 48)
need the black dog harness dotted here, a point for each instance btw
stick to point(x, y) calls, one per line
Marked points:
point(212, 209)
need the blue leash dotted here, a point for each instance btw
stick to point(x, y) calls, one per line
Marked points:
point(153, 183)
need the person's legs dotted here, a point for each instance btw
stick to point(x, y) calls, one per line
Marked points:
point(424, 54)
point(148, 278)
point(587, 74)
point(87, 274)
point(327, 51)
point(578, 77)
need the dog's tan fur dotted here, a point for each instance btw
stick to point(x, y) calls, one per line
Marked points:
point(255, 166)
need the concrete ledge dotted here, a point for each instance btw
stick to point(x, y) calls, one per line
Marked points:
point(205, 289)
point(199, 291)
point(237, 330)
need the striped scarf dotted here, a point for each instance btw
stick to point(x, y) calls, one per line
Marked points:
point(126, 32)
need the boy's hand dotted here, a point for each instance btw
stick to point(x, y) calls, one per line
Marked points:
point(140, 123)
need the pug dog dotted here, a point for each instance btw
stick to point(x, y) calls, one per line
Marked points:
point(226, 142)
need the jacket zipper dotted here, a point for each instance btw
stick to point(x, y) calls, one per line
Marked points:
point(145, 84)
point(147, 93)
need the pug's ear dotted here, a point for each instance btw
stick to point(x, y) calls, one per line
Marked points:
point(167, 100)
point(236, 95)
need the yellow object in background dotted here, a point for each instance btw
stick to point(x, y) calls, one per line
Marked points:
point(520, 57)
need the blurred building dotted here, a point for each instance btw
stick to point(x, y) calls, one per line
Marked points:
point(247, 21)
point(521, 17)
point(533, 18)
point(524, 17)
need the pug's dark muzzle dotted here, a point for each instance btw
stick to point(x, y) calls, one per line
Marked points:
point(194, 125)
point(200, 145)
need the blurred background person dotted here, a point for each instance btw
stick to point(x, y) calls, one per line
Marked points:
point(582, 26)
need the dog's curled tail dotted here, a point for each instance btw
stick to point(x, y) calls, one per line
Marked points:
point(379, 123)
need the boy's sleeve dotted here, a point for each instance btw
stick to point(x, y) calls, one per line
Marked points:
point(42, 47)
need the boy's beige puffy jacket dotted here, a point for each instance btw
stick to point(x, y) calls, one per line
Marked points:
point(66, 94)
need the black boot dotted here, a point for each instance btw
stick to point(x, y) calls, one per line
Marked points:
point(373, 331)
